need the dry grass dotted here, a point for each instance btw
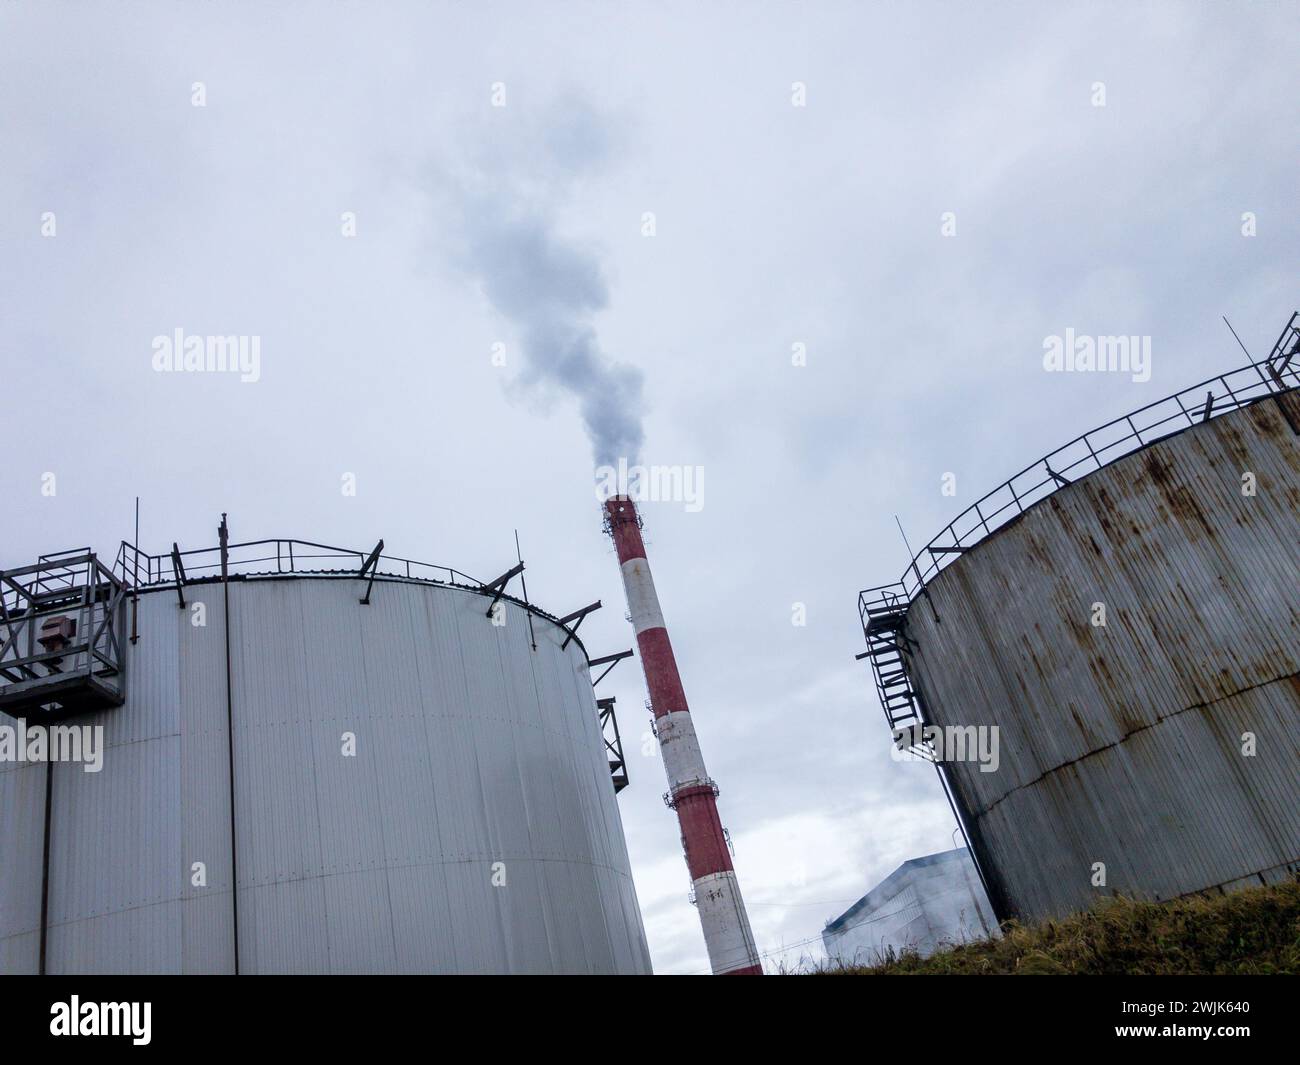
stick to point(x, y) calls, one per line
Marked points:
point(1256, 931)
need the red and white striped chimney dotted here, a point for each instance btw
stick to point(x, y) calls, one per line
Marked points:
point(692, 793)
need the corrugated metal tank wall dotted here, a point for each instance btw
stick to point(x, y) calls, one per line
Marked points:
point(1123, 744)
point(471, 750)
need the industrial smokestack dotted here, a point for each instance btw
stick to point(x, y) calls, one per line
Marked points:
point(691, 792)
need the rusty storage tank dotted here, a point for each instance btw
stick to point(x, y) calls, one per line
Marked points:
point(1157, 754)
point(417, 786)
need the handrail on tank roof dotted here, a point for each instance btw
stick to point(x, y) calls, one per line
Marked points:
point(142, 570)
point(1084, 454)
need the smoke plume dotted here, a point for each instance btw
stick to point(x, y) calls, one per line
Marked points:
point(550, 287)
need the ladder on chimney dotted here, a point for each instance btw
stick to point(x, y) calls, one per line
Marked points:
point(884, 624)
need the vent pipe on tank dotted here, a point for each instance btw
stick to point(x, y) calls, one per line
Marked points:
point(691, 791)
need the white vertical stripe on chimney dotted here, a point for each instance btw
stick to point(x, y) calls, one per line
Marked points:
point(683, 761)
point(642, 602)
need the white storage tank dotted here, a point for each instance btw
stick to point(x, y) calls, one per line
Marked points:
point(417, 789)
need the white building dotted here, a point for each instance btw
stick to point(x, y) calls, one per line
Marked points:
point(925, 904)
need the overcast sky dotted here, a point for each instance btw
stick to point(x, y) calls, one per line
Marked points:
point(521, 230)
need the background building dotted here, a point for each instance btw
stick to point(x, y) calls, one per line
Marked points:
point(924, 905)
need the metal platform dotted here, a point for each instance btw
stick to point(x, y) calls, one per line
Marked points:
point(60, 646)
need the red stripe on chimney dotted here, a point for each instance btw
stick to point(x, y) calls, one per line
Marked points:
point(661, 676)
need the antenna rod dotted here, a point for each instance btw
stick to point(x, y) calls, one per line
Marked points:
point(916, 569)
point(904, 536)
point(1249, 358)
point(523, 582)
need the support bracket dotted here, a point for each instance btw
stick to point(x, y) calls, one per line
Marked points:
point(371, 566)
point(577, 618)
point(499, 586)
point(179, 569)
point(613, 743)
point(608, 660)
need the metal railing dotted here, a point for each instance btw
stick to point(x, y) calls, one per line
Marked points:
point(1094, 449)
point(139, 569)
point(54, 573)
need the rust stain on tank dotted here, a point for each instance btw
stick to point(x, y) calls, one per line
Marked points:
point(1139, 723)
point(1182, 503)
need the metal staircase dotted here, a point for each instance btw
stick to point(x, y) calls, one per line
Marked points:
point(883, 612)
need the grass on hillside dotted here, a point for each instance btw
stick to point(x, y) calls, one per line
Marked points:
point(1255, 931)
